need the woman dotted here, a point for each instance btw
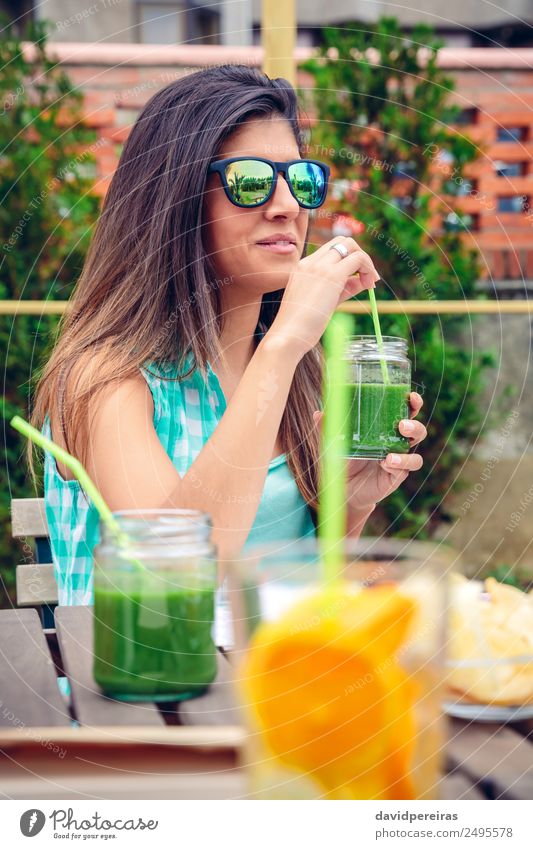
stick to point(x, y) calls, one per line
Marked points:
point(187, 372)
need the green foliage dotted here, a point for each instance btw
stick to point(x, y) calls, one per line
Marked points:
point(514, 576)
point(382, 110)
point(46, 212)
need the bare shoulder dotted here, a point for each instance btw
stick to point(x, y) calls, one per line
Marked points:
point(127, 398)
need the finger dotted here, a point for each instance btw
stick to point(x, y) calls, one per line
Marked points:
point(347, 241)
point(359, 262)
point(353, 286)
point(416, 402)
point(395, 478)
point(325, 249)
point(402, 463)
point(414, 431)
point(352, 245)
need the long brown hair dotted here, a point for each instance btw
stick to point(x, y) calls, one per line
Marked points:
point(148, 290)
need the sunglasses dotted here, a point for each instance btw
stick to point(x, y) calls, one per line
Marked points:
point(251, 180)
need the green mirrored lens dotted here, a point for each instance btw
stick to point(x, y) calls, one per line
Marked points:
point(249, 181)
point(308, 182)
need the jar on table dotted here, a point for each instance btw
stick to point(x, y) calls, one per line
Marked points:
point(341, 684)
point(154, 603)
point(380, 383)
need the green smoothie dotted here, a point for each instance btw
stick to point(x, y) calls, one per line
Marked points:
point(154, 643)
point(375, 412)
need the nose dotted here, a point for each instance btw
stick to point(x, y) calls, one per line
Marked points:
point(282, 201)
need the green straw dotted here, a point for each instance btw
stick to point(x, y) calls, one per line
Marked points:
point(31, 433)
point(379, 337)
point(332, 507)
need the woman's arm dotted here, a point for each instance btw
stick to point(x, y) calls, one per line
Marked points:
point(131, 469)
point(228, 476)
point(357, 518)
point(129, 464)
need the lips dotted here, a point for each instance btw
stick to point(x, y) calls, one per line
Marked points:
point(277, 247)
point(278, 238)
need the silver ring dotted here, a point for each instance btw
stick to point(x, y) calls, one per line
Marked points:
point(341, 249)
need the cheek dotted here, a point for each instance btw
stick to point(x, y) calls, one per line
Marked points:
point(215, 227)
point(228, 229)
point(303, 225)
point(224, 244)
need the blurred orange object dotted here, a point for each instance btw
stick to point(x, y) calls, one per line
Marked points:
point(329, 695)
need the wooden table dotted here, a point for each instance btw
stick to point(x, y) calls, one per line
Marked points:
point(98, 748)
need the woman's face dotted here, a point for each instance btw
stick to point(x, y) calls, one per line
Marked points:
point(232, 233)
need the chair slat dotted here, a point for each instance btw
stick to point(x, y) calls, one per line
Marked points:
point(75, 634)
point(28, 518)
point(36, 584)
point(29, 694)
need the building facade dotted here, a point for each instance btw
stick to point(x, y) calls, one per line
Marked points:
point(461, 23)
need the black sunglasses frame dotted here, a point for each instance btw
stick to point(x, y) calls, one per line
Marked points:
point(219, 167)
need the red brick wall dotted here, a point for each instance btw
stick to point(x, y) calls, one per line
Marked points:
point(496, 84)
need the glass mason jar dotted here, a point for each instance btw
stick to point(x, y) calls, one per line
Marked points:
point(341, 686)
point(380, 382)
point(154, 607)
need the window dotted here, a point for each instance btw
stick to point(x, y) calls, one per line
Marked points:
point(460, 187)
point(306, 37)
point(467, 116)
point(510, 169)
point(206, 28)
point(405, 170)
point(515, 203)
point(454, 223)
point(445, 157)
point(511, 134)
point(404, 203)
point(161, 23)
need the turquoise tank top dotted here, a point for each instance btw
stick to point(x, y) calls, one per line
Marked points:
point(186, 412)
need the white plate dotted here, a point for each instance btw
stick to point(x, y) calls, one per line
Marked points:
point(488, 713)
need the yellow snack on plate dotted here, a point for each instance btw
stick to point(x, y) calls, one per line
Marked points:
point(490, 643)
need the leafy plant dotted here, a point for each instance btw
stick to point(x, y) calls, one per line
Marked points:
point(386, 125)
point(46, 211)
point(514, 576)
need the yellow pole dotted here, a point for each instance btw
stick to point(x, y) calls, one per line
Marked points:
point(440, 307)
point(278, 38)
point(33, 307)
point(507, 307)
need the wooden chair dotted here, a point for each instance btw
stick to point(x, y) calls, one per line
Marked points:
point(36, 583)
point(35, 580)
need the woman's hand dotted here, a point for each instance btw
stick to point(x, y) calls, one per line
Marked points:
point(369, 481)
point(315, 289)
